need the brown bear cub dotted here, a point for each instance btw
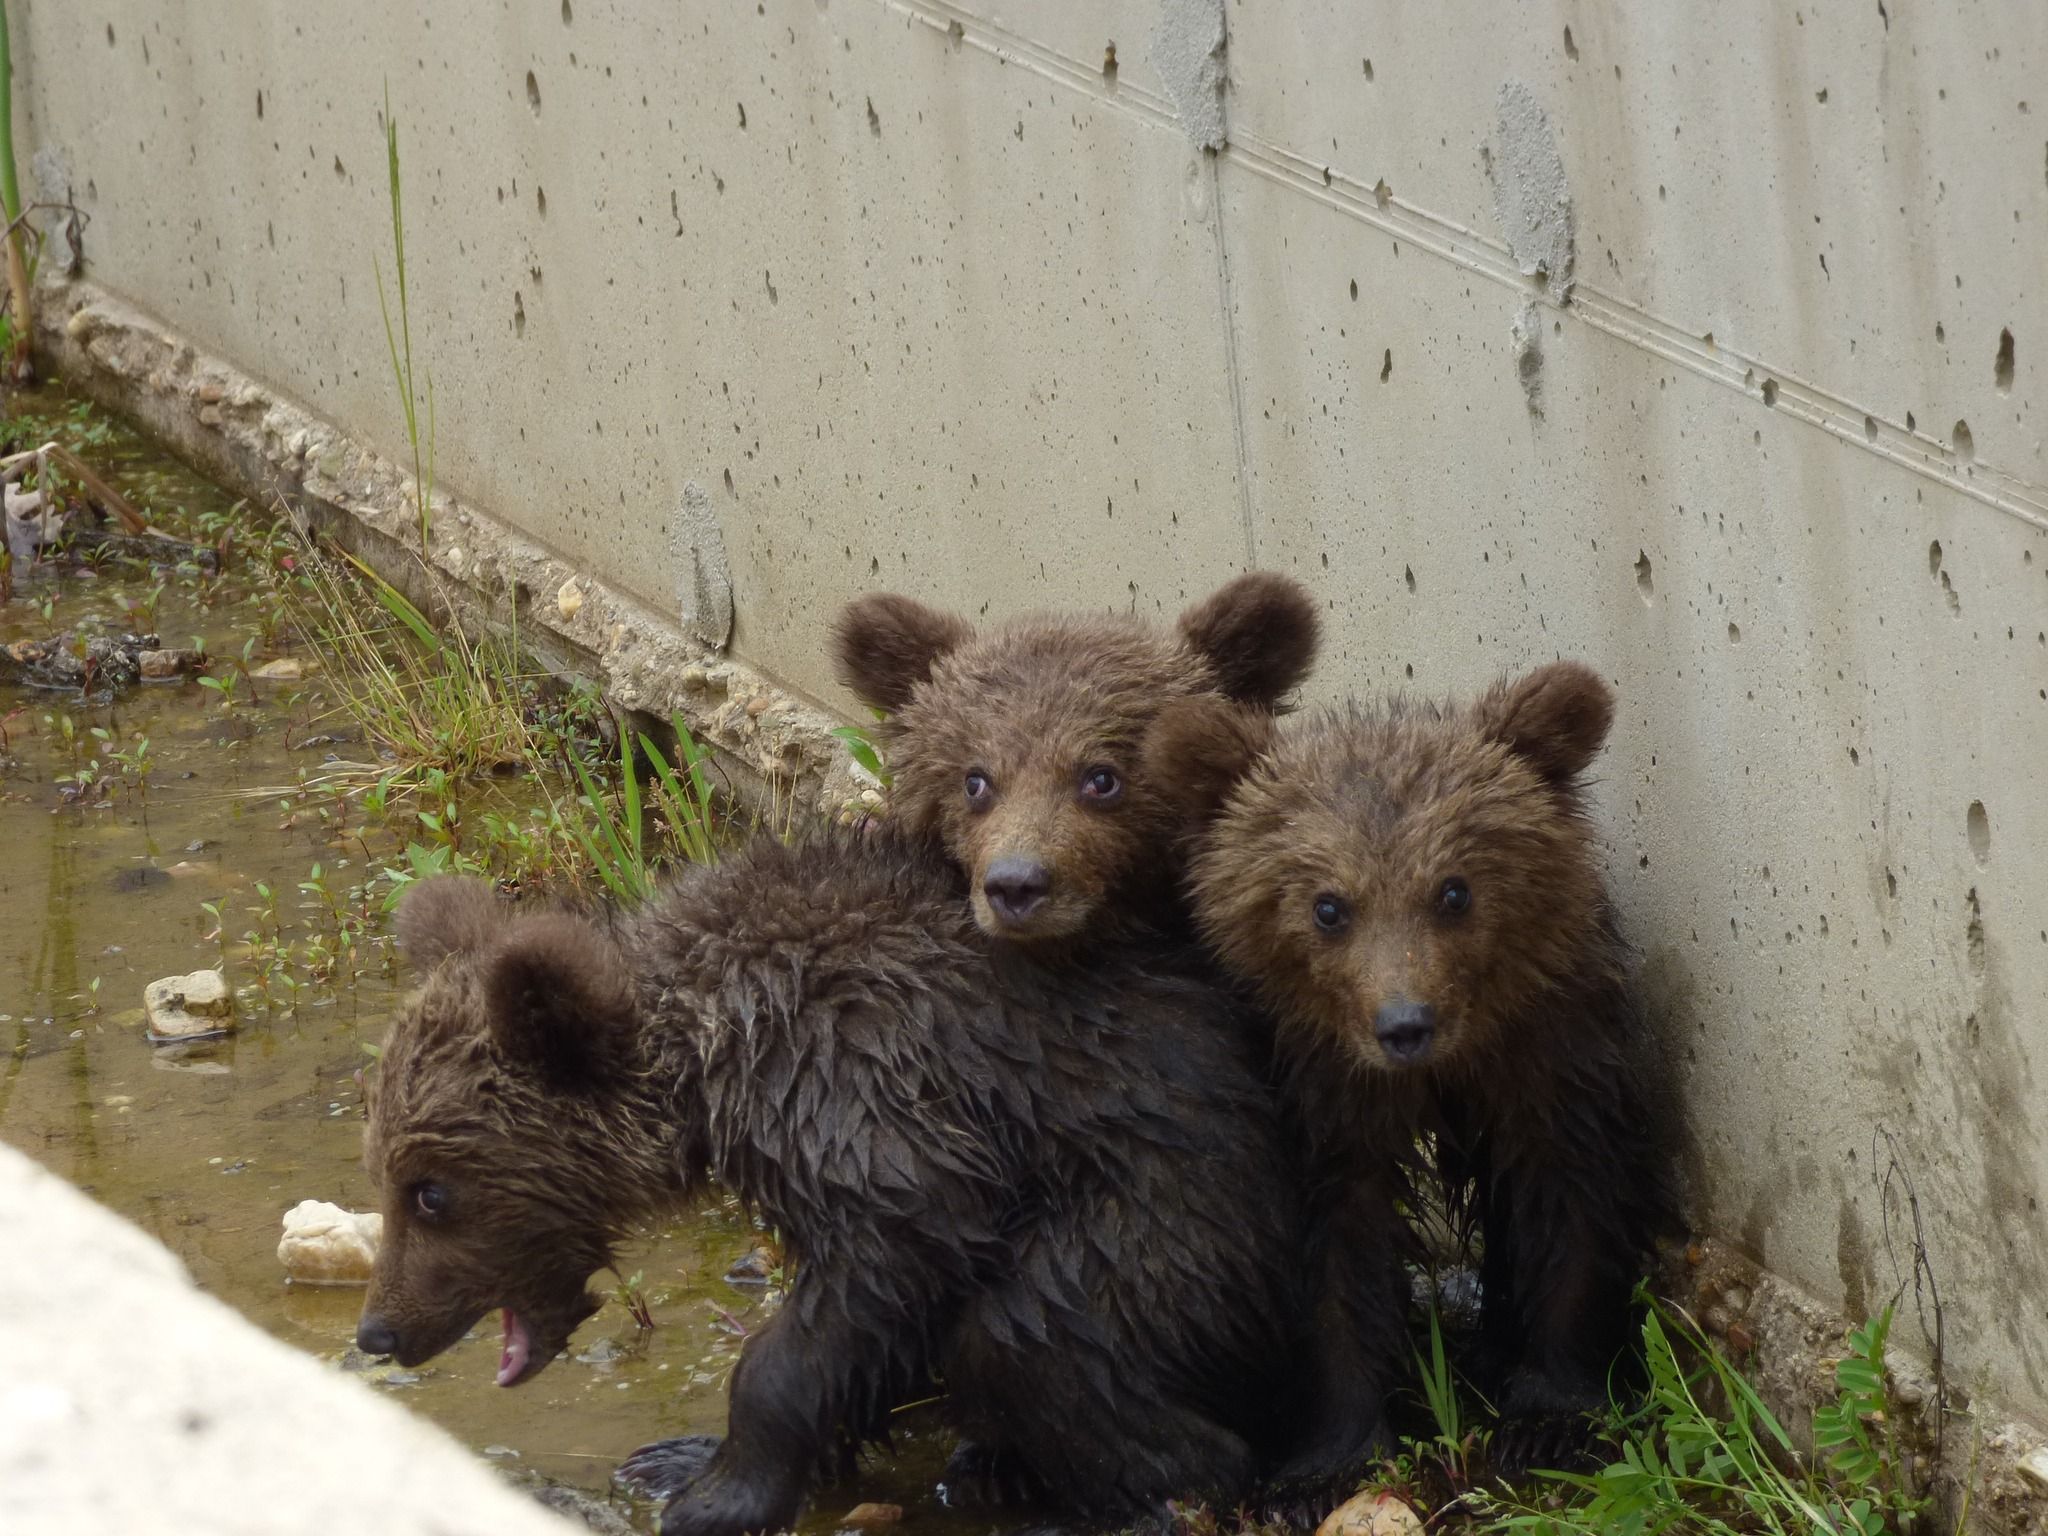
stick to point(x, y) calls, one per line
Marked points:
point(1066, 1191)
point(1020, 747)
point(1416, 892)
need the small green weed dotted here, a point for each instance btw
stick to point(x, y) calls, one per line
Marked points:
point(1706, 1455)
point(612, 834)
point(860, 746)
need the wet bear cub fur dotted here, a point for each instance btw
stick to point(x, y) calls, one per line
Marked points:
point(1020, 747)
point(1416, 892)
point(1065, 1191)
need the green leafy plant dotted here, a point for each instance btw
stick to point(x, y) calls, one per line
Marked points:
point(1458, 1440)
point(1706, 1455)
point(860, 746)
point(612, 834)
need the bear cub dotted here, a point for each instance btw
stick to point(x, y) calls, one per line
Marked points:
point(1416, 892)
point(1020, 748)
point(1066, 1191)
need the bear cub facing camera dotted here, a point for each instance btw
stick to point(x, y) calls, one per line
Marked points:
point(1069, 1192)
point(1416, 892)
point(1020, 748)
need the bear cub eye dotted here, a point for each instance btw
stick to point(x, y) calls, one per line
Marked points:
point(1331, 913)
point(979, 790)
point(1101, 785)
point(1456, 897)
point(430, 1200)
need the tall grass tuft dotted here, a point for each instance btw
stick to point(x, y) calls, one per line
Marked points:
point(612, 833)
point(399, 342)
point(1707, 1456)
point(20, 326)
point(434, 701)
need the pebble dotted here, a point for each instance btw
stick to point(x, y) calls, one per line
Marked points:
point(286, 669)
point(188, 1007)
point(755, 1265)
point(326, 1245)
point(2036, 1467)
point(869, 1517)
point(569, 601)
point(162, 665)
point(1372, 1514)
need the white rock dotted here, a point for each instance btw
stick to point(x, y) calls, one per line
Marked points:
point(2036, 1467)
point(569, 601)
point(286, 669)
point(1371, 1514)
point(325, 1245)
point(188, 1007)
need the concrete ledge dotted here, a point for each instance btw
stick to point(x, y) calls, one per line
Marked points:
point(776, 745)
point(130, 1401)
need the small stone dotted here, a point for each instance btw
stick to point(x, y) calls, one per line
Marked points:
point(189, 1007)
point(209, 415)
point(286, 669)
point(695, 677)
point(1741, 1342)
point(569, 601)
point(2035, 1466)
point(756, 1265)
point(759, 705)
point(326, 1245)
point(870, 1517)
point(1371, 1514)
point(871, 798)
point(211, 392)
point(162, 665)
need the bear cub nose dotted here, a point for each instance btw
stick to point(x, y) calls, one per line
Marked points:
point(1405, 1030)
point(1016, 887)
point(374, 1336)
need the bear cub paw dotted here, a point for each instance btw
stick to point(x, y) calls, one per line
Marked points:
point(665, 1468)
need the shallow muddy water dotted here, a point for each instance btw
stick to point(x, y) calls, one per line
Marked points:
point(206, 1145)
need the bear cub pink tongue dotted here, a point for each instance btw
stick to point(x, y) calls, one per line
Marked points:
point(518, 1344)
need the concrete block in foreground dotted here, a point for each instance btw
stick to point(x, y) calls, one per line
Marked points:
point(131, 1401)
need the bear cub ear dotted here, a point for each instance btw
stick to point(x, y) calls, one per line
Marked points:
point(1198, 749)
point(1259, 632)
point(559, 1001)
point(885, 645)
point(1556, 717)
point(445, 915)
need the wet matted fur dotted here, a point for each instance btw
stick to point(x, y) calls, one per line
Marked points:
point(1416, 891)
point(1065, 1189)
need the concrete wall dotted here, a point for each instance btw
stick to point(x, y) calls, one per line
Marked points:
point(927, 296)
